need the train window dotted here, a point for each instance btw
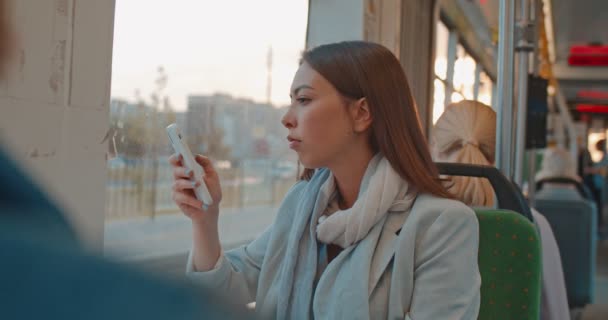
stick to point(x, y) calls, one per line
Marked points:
point(441, 69)
point(464, 75)
point(461, 83)
point(225, 81)
point(441, 51)
point(438, 98)
point(485, 89)
point(457, 97)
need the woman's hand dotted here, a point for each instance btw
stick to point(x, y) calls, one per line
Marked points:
point(183, 189)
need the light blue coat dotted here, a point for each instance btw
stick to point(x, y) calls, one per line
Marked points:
point(426, 271)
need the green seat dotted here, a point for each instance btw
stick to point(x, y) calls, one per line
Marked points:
point(509, 258)
point(510, 264)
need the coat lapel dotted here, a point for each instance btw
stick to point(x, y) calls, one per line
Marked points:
point(385, 249)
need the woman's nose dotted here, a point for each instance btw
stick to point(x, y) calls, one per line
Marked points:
point(288, 120)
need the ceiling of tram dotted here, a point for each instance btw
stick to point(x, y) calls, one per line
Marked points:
point(490, 11)
point(575, 22)
point(579, 23)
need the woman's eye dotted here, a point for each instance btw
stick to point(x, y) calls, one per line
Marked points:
point(302, 100)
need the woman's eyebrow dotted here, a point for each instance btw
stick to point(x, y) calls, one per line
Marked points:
point(304, 86)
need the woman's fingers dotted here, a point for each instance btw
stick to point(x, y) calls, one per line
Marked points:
point(183, 199)
point(175, 160)
point(179, 171)
point(206, 164)
point(183, 184)
point(182, 172)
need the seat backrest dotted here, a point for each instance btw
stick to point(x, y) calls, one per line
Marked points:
point(508, 194)
point(510, 259)
point(574, 225)
point(510, 264)
point(582, 189)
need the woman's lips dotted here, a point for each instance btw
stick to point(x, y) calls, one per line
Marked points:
point(293, 142)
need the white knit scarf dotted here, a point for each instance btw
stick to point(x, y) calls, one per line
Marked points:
point(385, 192)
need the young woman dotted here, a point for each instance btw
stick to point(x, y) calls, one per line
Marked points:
point(368, 232)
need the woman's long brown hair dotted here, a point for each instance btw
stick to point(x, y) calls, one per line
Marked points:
point(359, 69)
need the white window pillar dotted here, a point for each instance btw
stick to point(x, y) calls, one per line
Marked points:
point(55, 104)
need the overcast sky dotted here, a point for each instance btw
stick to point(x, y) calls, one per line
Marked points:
point(207, 46)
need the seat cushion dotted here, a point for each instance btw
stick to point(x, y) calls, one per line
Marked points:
point(510, 264)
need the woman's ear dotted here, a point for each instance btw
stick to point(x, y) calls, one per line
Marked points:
point(361, 115)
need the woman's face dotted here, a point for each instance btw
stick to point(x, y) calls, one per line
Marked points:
point(321, 128)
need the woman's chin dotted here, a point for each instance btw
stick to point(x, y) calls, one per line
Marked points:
point(308, 163)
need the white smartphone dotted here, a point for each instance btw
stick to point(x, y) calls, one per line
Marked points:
point(180, 146)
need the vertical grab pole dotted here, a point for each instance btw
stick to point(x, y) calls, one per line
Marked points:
point(504, 97)
point(536, 14)
point(523, 49)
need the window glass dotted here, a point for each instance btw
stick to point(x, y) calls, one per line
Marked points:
point(441, 50)
point(441, 65)
point(464, 73)
point(438, 99)
point(222, 71)
point(456, 97)
point(485, 89)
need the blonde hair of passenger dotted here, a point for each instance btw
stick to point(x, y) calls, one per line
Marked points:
point(466, 133)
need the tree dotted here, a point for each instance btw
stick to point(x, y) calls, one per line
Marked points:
point(156, 128)
point(137, 133)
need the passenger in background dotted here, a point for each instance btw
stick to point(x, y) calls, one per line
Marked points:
point(466, 133)
point(600, 146)
point(46, 274)
point(588, 172)
point(368, 232)
point(599, 177)
point(578, 234)
point(557, 163)
point(602, 164)
point(585, 163)
point(592, 175)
